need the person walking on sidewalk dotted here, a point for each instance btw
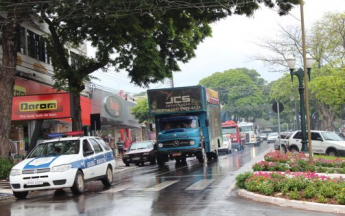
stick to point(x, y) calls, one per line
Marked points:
point(112, 145)
point(120, 146)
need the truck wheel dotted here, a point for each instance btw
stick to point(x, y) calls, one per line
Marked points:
point(21, 195)
point(201, 156)
point(215, 155)
point(153, 161)
point(160, 160)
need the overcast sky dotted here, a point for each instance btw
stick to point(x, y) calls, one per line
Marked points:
point(231, 45)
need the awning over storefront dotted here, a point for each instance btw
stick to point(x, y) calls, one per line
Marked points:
point(114, 110)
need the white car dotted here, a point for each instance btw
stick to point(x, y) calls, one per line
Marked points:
point(323, 142)
point(63, 163)
point(226, 145)
point(263, 136)
point(272, 137)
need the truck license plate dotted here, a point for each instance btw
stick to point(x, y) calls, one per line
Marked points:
point(35, 182)
point(136, 158)
point(176, 154)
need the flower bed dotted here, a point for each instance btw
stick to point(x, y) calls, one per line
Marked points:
point(297, 162)
point(307, 186)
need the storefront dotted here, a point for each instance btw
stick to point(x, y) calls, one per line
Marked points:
point(116, 115)
point(33, 102)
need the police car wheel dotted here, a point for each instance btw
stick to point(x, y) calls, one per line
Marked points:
point(79, 184)
point(108, 179)
point(21, 195)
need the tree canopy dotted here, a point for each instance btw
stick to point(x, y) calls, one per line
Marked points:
point(239, 92)
point(145, 38)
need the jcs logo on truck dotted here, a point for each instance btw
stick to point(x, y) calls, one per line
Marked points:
point(178, 99)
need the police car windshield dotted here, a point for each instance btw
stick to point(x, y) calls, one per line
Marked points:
point(65, 147)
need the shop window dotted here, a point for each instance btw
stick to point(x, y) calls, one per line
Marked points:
point(37, 47)
point(75, 60)
point(22, 41)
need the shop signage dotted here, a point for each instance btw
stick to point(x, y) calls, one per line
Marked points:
point(175, 100)
point(45, 106)
point(113, 106)
point(212, 96)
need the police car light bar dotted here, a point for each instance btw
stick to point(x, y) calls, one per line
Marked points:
point(71, 133)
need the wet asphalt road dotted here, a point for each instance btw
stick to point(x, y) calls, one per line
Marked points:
point(190, 189)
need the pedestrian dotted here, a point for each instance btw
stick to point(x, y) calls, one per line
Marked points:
point(120, 146)
point(112, 145)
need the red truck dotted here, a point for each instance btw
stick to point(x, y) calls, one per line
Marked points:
point(232, 132)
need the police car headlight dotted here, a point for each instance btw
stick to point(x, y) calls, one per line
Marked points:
point(192, 142)
point(146, 153)
point(160, 145)
point(61, 168)
point(126, 156)
point(15, 172)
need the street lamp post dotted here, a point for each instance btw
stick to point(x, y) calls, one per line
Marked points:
point(291, 61)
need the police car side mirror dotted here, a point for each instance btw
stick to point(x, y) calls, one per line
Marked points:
point(89, 152)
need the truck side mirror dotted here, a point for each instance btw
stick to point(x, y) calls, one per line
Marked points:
point(207, 122)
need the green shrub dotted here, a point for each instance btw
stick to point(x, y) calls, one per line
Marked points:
point(309, 192)
point(294, 195)
point(341, 198)
point(241, 179)
point(327, 190)
point(284, 190)
point(5, 168)
point(321, 169)
point(297, 183)
point(266, 188)
point(321, 199)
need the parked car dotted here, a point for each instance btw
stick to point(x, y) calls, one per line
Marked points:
point(263, 136)
point(323, 142)
point(284, 141)
point(272, 137)
point(139, 153)
point(226, 146)
point(63, 163)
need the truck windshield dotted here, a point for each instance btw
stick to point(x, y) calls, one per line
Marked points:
point(246, 128)
point(185, 123)
point(229, 130)
point(56, 148)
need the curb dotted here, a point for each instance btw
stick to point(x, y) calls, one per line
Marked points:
point(329, 208)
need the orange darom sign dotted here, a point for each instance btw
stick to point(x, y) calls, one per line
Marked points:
point(47, 106)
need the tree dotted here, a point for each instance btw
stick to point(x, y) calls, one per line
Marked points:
point(16, 14)
point(150, 36)
point(238, 92)
point(141, 110)
point(326, 42)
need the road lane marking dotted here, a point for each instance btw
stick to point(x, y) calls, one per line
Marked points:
point(161, 186)
point(200, 185)
point(118, 188)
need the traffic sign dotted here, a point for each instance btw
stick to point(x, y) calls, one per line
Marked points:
point(275, 107)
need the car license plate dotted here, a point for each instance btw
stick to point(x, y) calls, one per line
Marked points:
point(136, 158)
point(35, 182)
point(176, 154)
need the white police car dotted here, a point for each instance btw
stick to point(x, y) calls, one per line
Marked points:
point(63, 163)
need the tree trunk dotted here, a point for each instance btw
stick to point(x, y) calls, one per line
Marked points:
point(7, 77)
point(327, 118)
point(76, 120)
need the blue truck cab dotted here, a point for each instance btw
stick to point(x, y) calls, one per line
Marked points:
point(187, 123)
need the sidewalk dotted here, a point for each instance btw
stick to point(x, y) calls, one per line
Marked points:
point(6, 192)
